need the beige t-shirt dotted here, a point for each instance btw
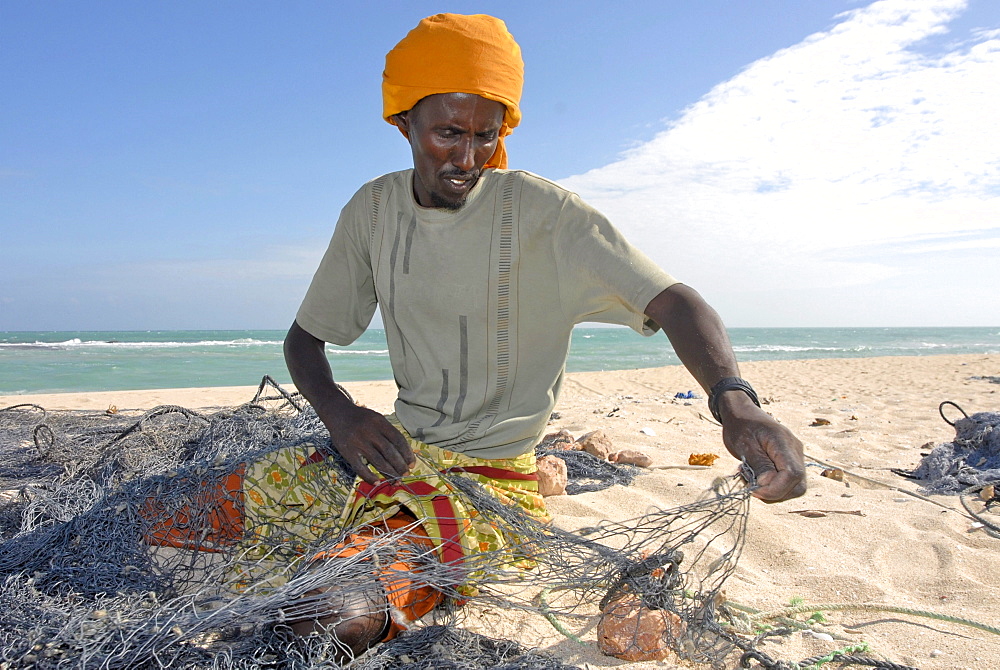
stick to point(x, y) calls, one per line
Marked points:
point(479, 303)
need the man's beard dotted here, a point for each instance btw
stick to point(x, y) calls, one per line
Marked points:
point(440, 203)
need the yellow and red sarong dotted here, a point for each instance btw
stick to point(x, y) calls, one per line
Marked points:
point(283, 507)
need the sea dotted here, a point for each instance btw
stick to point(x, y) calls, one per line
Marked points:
point(54, 362)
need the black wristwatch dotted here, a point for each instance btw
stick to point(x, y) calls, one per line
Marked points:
point(729, 384)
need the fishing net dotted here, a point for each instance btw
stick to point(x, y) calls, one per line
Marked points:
point(127, 541)
point(586, 473)
point(972, 459)
point(438, 647)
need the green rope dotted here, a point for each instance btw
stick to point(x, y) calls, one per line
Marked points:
point(783, 615)
point(791, 623)
point(552, 617)
point(834, 655)
point(833, 607)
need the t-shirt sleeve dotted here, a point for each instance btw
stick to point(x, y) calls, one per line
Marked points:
point(603, 278)
point(341, 299)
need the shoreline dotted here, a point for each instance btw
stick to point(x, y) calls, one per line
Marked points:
point(863, 540)
point(210, 359)
point(204, 397)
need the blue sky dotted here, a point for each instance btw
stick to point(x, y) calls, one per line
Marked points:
point(822, 163)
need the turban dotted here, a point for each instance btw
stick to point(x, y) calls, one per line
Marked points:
point(453, 53)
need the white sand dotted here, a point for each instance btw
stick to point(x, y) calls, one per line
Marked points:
point(900, 551)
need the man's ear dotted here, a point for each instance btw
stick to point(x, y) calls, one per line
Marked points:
point(402, 121)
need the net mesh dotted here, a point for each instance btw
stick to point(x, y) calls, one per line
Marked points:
point(971, 459)
point(86, 499)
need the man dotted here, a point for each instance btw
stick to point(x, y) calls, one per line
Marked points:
point(481, 273)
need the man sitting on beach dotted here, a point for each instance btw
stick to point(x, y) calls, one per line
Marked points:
point(480, 274)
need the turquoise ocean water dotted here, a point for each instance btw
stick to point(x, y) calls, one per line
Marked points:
point(48, 362)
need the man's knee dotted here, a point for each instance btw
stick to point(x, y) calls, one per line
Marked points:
point(360, 614)
point(357, 617)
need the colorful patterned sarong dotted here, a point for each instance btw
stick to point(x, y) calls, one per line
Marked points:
point(451, 521)
point(288, 504)
point(294, 497)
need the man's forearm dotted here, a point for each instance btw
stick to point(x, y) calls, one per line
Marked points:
point(310, 370)
point(699, 339)
point(363, 437)
point(696, 333)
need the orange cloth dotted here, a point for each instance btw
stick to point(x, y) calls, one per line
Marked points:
point(455, 53)
point(410, 600)
point(214, 521)
point(211, 521)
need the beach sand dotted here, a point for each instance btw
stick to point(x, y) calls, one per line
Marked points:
point(872, 542)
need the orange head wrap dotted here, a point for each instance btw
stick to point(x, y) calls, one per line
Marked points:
point(453, 53)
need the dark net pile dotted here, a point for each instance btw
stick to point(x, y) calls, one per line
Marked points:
point(586, 473)
point(438, 647)
point(972, 459)
point(82, 584)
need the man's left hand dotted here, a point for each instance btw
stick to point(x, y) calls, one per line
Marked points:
point(773, 453)
point(751, 434)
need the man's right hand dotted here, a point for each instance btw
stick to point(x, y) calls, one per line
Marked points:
point(365, 437)
point(362, 437)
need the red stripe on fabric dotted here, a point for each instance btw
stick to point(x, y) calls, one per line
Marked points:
point(316, 457)
point(496, 473)
point(445, 515)
point(451, 546)
point(386, 487)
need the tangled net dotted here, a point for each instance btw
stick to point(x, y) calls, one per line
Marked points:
point(587, 473)
point(972, 459)
point(81, 585)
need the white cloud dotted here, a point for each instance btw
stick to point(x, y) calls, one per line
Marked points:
point(813, 168)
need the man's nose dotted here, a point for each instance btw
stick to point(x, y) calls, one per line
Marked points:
point(464, 156)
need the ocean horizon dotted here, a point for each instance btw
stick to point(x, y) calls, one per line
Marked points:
point(80, 361)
